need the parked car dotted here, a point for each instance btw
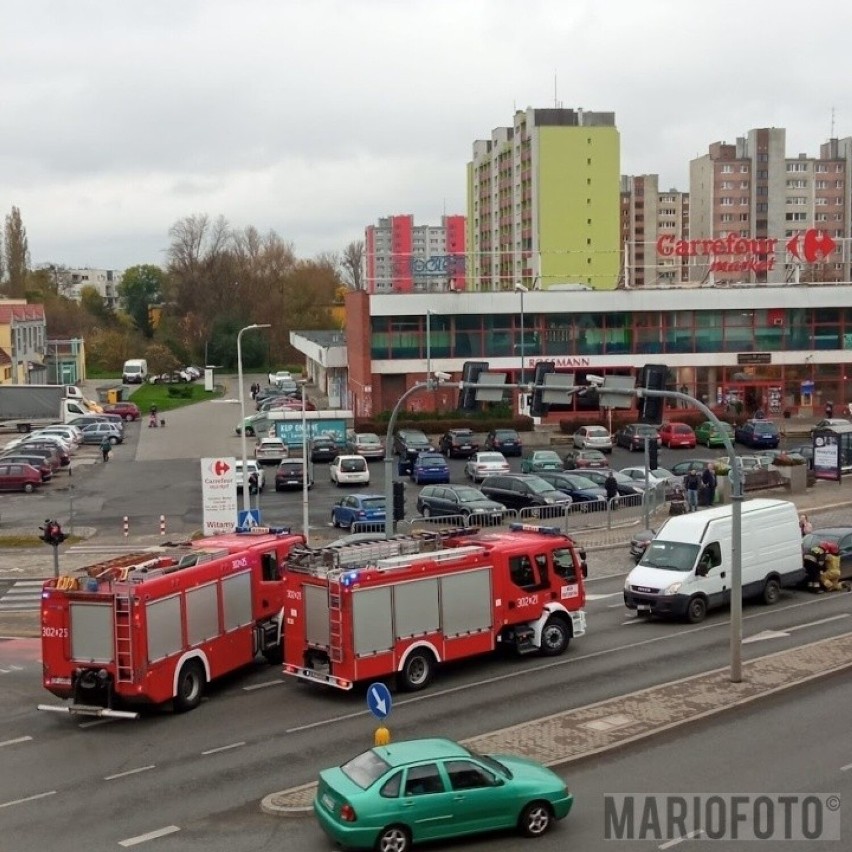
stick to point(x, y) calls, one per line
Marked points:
point(458, 443)
point(15, 476)
point(582, 459)
point(366, 444)
point(128, 411)
point(265, 393)
point(578, 488)
point(677, 435)
point(593, 438)
point(290, 474)
point(830, 423)
point(758, 433)
point(270, 451)
point(460, 501)
point(72, 436)
point(682, 468)
point(253, 468)
point(349, 470)
point(50, 448)
point(625, 485)
point(655, 477)
point(745, 463)
point(485, 464)
point(87, 419)
point(710, 433)
point(505, 441)
point(324, 448)
point(94, 433)
point(407, 443)
point(522, 491)
point(539, 460)
point(358, 508)
point(842, 537)
point(388, 787)
point(40, 463)
point(430, 467)
point(37, 455)
point(280, 376)
point(632, 436)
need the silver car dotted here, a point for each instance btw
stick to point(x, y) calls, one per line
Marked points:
point(94, 433)
point(480, 465)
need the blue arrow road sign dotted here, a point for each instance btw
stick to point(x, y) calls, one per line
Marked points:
point(248, 519)
point(379, 700)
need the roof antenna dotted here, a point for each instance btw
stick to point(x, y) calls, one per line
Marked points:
point(832, 124)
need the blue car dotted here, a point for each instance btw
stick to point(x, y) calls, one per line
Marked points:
point(358, 509)
point(758, 433)
point(430, 467)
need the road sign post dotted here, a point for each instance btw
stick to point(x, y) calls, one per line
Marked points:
point(379, 702)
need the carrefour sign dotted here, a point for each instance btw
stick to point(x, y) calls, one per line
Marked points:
point(735, 253)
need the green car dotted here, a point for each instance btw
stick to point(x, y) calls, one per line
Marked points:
point(710, 433)
point(424, 790)
point(541, 460)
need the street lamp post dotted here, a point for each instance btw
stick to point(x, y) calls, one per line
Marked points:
point(242, 390)
point(429, 313)
point(521, 289)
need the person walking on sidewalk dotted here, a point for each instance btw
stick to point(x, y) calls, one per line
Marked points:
point(106, 446)
point(611, 487)
point(691, 483)
point(708, 480)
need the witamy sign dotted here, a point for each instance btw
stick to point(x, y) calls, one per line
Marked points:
point(219, 495)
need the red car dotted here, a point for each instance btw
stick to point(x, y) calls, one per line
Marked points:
point(19, 477)
point(126, 410)
point(677, 435)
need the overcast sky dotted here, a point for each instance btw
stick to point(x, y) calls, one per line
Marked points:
point(314, 118)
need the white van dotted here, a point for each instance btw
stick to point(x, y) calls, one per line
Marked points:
point(686, 570)
point(134, 371)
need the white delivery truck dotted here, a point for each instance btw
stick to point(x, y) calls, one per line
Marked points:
point(134, 371)
point(27, 407)
point(686, 570)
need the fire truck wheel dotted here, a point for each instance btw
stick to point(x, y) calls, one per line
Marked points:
point(395, 838)
point(417, 671)
point(190, 686)
point(535, 819)
point(554, 637)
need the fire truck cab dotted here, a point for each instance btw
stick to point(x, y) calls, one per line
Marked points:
point(404, 605)
point(157, 626)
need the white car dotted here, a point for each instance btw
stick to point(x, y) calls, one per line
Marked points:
point(655, 477)
point(60, 442)
point(280, 376)
point(70, 434)
point(480, 465)
point(593, 438)
point(271, 450)
point(349, 470)
point(253, 467)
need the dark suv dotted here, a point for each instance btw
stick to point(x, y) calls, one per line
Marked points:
point(758, 433)
point(458, 444)
point(409, 443)
point(506, 441)
point(522, 490)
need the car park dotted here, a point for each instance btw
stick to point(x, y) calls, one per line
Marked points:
point(430, 467)
point(840, 536)
point(270, 451)
point(40, 463)
point(375, 800)
point(593, 438)
point(366, 444)
point(290, 474)
point(523, 491)
point(458, 443)
point(407, 443)
point(578, 488)
point(583, 459)
point(253, 468)
point(675, 434)
point(358, 509)
point(539, 460)
point(758, 433)
point(505, 441)
point(349, 470)
point(15, 476)
point(94, 433)
point(460, 501)
point(632, 436)
point(624, 484)
point(324, 449)
point(485, 464)
point(711, 434)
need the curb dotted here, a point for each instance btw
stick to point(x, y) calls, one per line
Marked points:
point(268, 806)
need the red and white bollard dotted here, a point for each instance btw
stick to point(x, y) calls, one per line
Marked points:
point(162, 524)
point(126, 526)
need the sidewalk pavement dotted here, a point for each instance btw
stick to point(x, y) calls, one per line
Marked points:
point(606, 725)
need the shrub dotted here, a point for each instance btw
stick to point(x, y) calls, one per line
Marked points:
point(785, 460)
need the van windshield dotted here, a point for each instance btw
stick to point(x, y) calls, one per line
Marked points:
point(670, 555)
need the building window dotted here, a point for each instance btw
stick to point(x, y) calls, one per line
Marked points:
point(726, 170)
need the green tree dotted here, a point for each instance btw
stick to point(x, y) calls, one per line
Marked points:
point(96, 306)
point(142, 286)
point(17, 254)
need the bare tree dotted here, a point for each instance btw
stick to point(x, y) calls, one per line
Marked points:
point(17, 253)
point(352, 264)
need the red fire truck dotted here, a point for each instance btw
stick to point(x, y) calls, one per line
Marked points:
point(404, 605)
point(157, 626)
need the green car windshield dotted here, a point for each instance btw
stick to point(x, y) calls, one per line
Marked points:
point(365, 769)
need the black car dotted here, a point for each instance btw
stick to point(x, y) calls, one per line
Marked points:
point(290, 474)
point(632, 436)
point(506, 441)
point(578, 487)
point(458, 444)
point(523, 491)
point(461, 501)
point(323, 449)
point(409, 443)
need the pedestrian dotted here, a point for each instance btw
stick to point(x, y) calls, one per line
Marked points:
point(805, 525)
point(611, 486)
point(691, 483)
point(829, 409)
point(708, 480)
point(106, 446)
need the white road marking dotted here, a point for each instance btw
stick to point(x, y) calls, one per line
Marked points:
point(151, 835)
point(13, 742)
point(784, 632)
point(223, 748)
point(262, 685)
point(815, 623)
point(129, 772)
point(95, 722)
point(846, 768)
point(668, 844)
point(28, 799)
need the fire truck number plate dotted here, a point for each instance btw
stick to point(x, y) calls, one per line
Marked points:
point(54, 632)
point(528, 600)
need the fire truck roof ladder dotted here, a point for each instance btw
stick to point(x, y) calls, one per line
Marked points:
point(449, 555)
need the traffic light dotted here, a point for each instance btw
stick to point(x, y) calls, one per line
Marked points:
point(51, 533)
point(398, 500)
point(538, 407)
point(653, 458)
point(653, 377)
point(471, 371)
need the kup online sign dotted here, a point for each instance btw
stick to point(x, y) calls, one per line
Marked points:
point(219, 495)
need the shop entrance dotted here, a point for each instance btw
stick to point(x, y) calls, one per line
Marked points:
point(749, 398)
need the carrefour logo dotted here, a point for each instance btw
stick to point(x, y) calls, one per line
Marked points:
point(219, 467)
point(812, 246)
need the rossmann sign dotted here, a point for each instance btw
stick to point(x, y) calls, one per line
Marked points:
point(748, 254)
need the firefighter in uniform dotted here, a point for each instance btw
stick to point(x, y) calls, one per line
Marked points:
point(814, 561)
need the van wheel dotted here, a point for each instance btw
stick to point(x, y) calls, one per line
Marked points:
point(554, 637)
point(417, 671)
point(771, 592)
point(190, 687)
point(696, 610)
